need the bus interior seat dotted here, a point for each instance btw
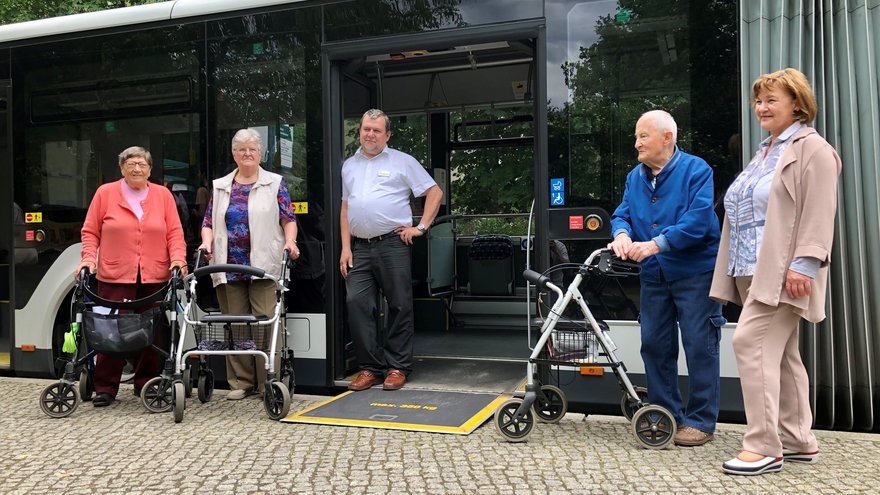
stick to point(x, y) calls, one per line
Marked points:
point(490, 265)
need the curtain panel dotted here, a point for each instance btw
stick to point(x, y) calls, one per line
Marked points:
point(835, 43)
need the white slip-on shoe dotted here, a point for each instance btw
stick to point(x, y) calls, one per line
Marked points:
point(747, 468)
point(802, 457)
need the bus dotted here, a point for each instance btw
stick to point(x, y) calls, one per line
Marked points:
point(523, 111)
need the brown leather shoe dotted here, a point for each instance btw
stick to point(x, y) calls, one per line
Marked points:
point(364, 380)
point(689, 436)
point(394, 379)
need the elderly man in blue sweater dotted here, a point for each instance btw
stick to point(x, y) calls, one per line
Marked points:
point(666, 222)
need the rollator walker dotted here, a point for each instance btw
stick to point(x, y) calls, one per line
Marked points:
point(117, 334)
point(588, 345)
point(213, 334)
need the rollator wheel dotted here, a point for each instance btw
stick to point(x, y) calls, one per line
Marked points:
point(554, 408)
point(156, 395)
point(178, 393)
point(276, 400)
point(287, 376)
point(86, 385)
point(628, 406)
point(59, 400)
point(188, 382)
point(206, 385)
point(513, 431)
point(653, 427)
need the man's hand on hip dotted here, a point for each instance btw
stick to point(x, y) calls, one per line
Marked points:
point(407, 234)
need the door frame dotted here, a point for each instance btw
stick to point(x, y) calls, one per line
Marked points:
point(334, 54)
point(7, 227)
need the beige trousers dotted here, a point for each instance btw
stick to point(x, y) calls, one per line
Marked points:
point(253, 297)
point(775, 385)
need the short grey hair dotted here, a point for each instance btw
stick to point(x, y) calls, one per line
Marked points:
point(135, 152)
point(246, 136)
point(375, 113)
point(663, 122)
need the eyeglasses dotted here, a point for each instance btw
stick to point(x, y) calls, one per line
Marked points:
point(133, 165)
point(242, 151)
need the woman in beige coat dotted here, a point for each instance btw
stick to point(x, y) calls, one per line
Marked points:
point(773, 260)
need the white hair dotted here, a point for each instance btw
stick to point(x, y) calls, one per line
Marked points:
point(246, 136)
point(662, 122)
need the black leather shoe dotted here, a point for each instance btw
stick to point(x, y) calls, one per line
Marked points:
point(103, 400)
point(137, 392)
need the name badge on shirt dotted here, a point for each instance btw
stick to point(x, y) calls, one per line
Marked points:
point(384, 173)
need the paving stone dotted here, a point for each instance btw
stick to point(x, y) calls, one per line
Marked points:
point(231, 447)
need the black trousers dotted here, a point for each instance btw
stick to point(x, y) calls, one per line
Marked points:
point(381, 265)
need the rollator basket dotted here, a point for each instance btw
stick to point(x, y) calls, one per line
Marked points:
point(120, 335)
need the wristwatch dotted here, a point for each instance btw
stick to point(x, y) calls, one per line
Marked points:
point(422, 228)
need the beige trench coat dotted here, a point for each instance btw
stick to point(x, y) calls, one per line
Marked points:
point(799, 222)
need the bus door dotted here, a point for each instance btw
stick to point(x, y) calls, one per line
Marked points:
point(451, 96)
point(8, 219)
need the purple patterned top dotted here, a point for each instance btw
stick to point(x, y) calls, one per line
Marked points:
point(238, 232)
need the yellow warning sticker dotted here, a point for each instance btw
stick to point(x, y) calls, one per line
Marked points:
point(301, 207)
point(33, 217)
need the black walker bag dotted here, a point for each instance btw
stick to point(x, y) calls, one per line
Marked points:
point(121, 335)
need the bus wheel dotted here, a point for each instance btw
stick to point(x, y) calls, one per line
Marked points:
point(59, 400)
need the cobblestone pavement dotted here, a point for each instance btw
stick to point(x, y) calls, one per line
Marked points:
point(232, 447)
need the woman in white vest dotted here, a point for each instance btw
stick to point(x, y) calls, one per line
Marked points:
point(249, 221)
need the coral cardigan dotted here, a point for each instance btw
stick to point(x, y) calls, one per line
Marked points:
point(800, 222)
point(122, 245)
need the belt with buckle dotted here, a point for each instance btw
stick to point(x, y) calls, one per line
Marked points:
point(378, 238)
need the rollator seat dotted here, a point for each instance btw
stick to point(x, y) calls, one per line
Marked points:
point(221, 318)
point(490, 265)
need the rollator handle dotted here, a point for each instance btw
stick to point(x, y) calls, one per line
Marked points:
point(200, 254)
point(286, 264)
point(536, 278)
point(228, 268)
point(611, 265)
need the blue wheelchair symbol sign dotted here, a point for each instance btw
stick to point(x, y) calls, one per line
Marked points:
point(557, 192)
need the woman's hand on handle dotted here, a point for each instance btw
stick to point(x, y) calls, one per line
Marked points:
point(291, 247)
point(206, 248)
point(181, 265)
point(88, 265)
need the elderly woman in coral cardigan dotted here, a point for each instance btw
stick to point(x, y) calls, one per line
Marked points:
point(132, 239)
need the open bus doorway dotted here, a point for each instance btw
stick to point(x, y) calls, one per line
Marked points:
point(464, 106)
